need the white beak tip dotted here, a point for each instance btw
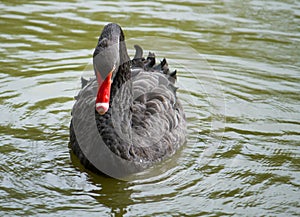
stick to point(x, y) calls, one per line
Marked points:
point(102, 107)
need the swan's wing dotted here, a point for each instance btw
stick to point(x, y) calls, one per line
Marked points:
point(158, 121)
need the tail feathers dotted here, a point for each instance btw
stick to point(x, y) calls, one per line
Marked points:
point(83, 82)
point(149, 64)
point(138, 52)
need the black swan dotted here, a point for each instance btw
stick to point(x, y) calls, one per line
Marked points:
point(127, 117)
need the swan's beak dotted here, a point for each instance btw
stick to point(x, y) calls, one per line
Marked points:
point(103, 95)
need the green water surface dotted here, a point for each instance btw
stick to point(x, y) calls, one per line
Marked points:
point(238, 68)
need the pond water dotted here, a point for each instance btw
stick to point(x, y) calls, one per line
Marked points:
point(238, 68)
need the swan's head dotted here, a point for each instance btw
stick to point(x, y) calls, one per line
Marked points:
point(106, 61)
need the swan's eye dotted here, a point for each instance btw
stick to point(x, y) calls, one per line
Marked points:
point(103, 43)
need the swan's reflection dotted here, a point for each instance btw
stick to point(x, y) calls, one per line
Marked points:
point(114, 194)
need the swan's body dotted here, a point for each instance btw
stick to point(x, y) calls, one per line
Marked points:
point(144, 122)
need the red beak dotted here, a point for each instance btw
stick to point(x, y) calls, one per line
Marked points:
point(103, 95)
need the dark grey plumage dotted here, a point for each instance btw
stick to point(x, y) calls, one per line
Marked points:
point(145, 122)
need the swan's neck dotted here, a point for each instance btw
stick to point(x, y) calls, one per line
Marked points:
point(115, 125)
point(121, 101)
point(122, 77)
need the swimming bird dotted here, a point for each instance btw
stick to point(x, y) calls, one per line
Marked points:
point(128, 116)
